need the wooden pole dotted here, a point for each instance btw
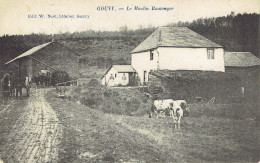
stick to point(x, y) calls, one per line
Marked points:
point(19, 68)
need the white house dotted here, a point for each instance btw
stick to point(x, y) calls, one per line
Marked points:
point(176, 48)
point(118, 75)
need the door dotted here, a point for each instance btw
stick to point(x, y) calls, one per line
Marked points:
point(145, 76)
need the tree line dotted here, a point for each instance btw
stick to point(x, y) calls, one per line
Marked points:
point(234, 32)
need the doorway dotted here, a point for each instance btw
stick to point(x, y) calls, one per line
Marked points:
point(145, 76)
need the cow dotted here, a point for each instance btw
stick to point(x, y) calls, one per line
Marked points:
point(177, 109)
point(183, 104)
point(160, 106)
point(177, 113)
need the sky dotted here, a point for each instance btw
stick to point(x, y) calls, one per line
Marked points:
point(14, 14)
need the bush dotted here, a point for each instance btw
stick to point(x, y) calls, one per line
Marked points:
point(132, 105)
point(116, 101)
point(59, 77)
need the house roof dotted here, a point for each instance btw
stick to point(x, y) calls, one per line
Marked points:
point(121, 69)
point(240, 59)
point(30, 52)
point(174, 37)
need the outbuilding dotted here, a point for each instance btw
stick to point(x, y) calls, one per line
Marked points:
point(43, 59)
point(247, 67)
point(118, 75)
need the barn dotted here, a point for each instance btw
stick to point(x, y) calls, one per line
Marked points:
point(49, 57)
point(247, 66)
point(118, 75)
point(176, 48)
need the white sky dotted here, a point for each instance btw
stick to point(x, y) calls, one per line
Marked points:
point(14, 14)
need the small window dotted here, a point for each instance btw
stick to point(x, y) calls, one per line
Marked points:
point(151, 55)
point(115, 75)
point(210, 53)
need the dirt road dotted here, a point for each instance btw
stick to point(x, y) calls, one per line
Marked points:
point(36, 134)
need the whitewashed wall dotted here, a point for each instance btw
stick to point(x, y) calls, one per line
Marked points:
point(118, 78)
point(178, 59)
point(141, 62)
point(190, 59)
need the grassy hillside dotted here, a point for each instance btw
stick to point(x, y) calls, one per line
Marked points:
point(225, 87)
point(126, 101)
point(221, 133)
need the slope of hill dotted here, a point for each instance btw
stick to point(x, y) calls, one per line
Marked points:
point(209, 134)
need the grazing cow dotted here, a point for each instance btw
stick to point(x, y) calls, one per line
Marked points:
point(176, 109)
point(184, 106)
point(160, 106)
point(177, 114)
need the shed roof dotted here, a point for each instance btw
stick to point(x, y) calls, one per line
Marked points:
point(124, 68)
point(240, 59)
point(30, 52)
point(174, 37)
point(121, 69)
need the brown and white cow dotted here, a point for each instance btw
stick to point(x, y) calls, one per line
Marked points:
point(176, 109)
point(160, 106)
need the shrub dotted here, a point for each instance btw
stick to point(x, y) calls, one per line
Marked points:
point(132, 105)
point(116, 101)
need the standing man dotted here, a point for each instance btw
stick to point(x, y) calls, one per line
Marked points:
point(27, 85)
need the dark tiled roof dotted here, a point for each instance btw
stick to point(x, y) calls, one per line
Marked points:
point(240, 59)
point(174, 37)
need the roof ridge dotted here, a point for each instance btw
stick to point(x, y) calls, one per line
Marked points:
point(237, 52)
point(172, 27)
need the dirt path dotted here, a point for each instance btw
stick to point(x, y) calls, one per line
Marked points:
point(36, 135)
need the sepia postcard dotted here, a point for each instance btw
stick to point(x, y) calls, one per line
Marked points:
point(129, 81)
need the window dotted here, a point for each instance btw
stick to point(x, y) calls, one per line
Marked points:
point(210, 53)
point(151, 55)
point(115, 75)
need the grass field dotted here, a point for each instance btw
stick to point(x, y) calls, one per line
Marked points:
point(220, 133)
